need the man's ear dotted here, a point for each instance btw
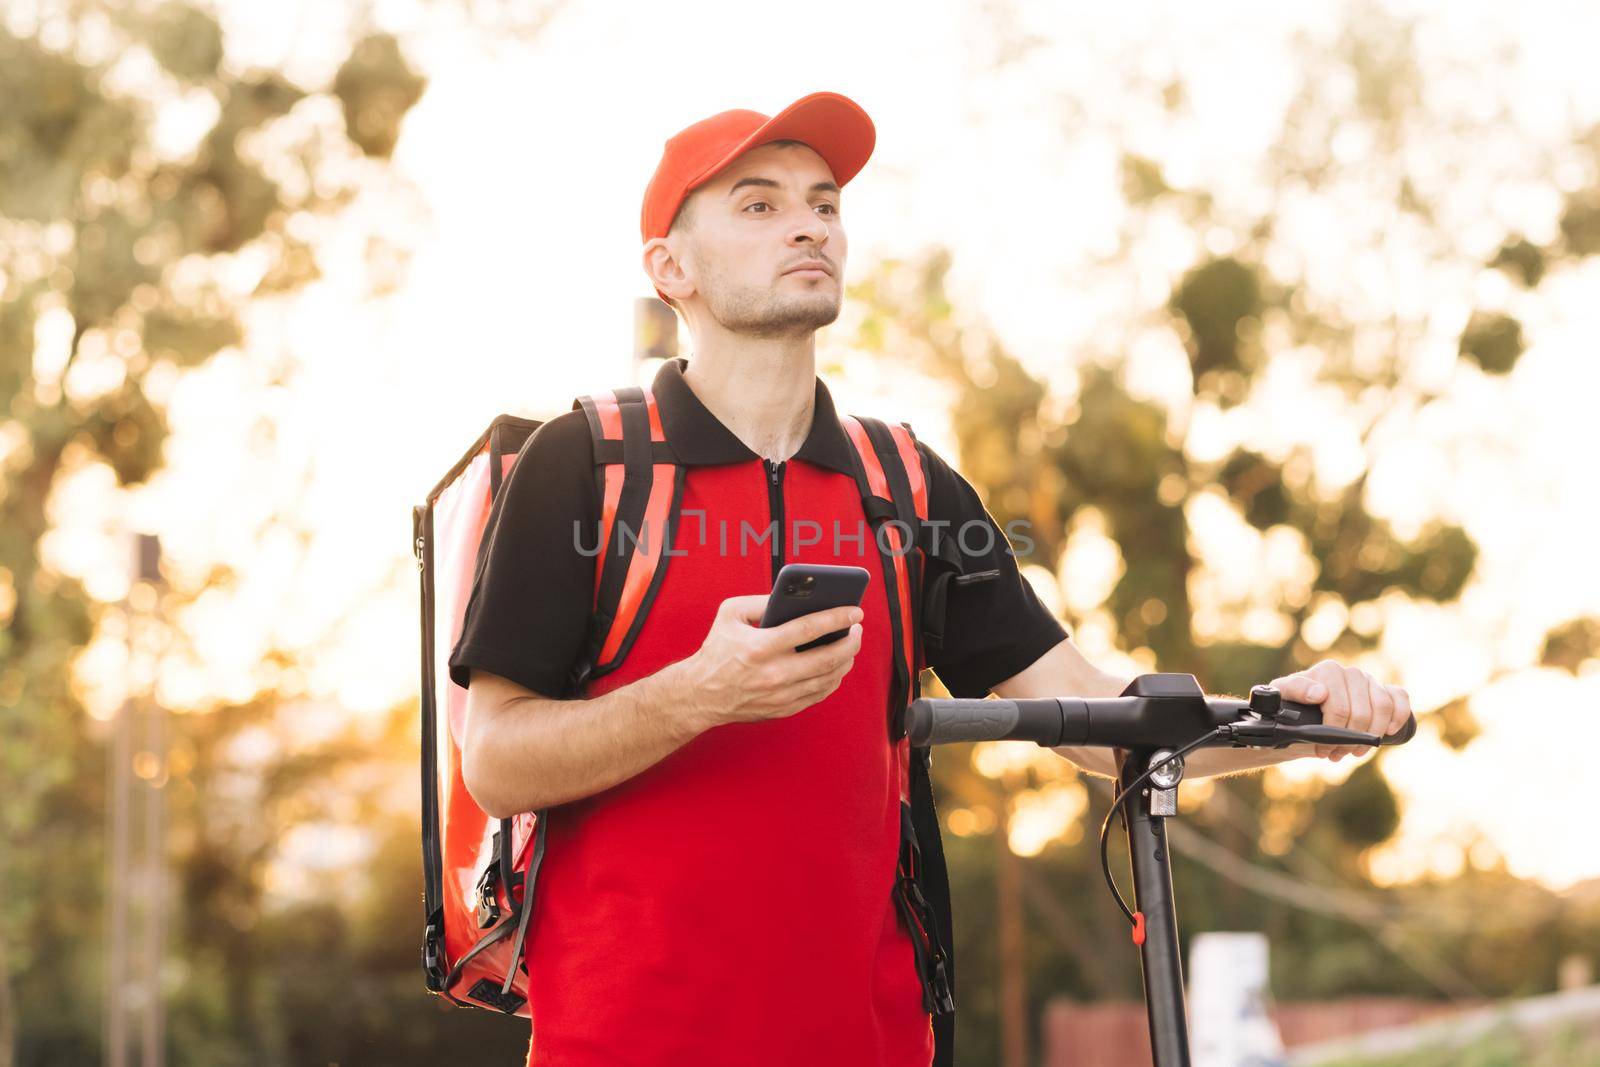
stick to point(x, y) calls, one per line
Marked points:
point(665, 271)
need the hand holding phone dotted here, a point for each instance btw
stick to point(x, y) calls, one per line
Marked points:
point(802, 588)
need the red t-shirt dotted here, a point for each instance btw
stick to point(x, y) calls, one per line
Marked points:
point(732, 904)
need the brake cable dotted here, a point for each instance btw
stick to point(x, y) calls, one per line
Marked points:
point(1116, 806)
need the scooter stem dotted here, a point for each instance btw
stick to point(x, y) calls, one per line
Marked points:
point(1152, 894)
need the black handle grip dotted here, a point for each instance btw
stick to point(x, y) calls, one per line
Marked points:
point(960, 719)
point(1037, 719)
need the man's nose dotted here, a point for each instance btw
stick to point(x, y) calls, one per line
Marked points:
point(817, 230)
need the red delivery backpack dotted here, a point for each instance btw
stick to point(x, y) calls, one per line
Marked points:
point(480, 873)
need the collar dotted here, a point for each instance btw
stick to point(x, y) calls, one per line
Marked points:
point(698, 438)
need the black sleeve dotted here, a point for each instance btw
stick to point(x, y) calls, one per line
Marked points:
point(993, 629)
point(532, 589)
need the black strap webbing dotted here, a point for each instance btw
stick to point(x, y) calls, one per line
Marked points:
point(628, 523)
point(432, 852)
point(909, 524)
point(935, 880)
point(898, 680)
point(517, 946)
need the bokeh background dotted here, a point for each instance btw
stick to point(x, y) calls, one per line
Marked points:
point(1277, 322)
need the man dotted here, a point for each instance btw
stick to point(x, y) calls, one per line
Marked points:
point(723, 811)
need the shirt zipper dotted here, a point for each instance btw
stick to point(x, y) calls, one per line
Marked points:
point(775, 509)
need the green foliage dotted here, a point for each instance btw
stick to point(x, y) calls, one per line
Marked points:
point(221, 202)
point(128, 431)
point(185, 40)
point(1364, 808)
point(1380, 55)
point(1217, 300)
point(94, 221)
point(1255, 484)
point(1522, 260)
point(1572, 644)
point(1235, 666)
point(377, 87)
point(1438, 564)
point(1580, 223)
point(1361, 558)
point(1455, 723)
point(56, 127)
point(188, 336)
point(1141, 180)
point(1114, 457)
point(1493, 341)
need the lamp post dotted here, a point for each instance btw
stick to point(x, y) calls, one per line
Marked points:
point(655, 335)
point(135, 883)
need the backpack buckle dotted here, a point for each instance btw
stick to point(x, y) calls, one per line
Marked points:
point(943, 996)
point(433, 956)
point(913, 892)
point(488, 906)
point(937, 996)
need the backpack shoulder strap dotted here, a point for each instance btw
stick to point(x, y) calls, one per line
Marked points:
point(894, 495)
point(641, 487)
point(893, 485)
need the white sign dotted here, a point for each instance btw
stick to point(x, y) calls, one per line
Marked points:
point(1229, 1025)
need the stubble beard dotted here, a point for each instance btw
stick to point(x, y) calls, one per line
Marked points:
point(772, 313)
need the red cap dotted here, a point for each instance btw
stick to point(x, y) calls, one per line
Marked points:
point(834, 126)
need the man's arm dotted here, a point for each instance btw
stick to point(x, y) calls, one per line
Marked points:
point(525, 752)
point(1064, 671)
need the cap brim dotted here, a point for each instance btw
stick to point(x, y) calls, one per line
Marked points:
point(834, 126)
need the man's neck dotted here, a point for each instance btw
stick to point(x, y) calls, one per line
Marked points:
point(763, 390)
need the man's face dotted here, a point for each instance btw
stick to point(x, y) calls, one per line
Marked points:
point(770, 210)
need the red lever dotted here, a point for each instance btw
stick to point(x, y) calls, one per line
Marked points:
point(1138, 928)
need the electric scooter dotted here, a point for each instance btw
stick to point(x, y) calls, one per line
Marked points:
point(1158, 719)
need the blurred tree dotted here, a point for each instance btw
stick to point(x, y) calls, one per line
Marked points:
point(119, 257)
point(327, 971)
point(128, 254)
point(1050, 458)
point(1572, 644)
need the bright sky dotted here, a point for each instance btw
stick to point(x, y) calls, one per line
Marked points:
point(519, 296)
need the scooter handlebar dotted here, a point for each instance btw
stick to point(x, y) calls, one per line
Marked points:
point(1127, 722)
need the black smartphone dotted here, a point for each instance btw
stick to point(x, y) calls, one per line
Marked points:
point(802, 588)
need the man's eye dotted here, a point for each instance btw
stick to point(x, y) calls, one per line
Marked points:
point(762, 203)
